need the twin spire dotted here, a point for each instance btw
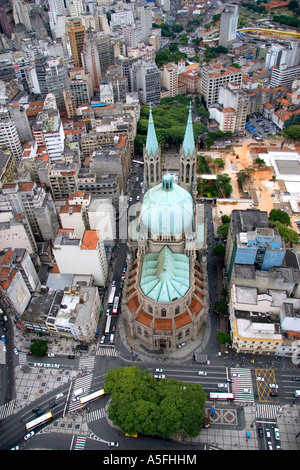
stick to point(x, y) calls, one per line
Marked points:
point(188, 145)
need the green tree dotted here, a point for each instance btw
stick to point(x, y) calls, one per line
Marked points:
point(219, 250)
point(220, 307)
point(222, 230)
point(289, 235)
point(38, 347)
point(292, 132)
point(280, 216)
point(223, 338)
point(141, 404)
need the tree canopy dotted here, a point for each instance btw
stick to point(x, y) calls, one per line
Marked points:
point(39, 347)
point(141, 404)
point(170, 119)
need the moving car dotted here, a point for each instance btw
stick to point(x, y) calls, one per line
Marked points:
point(276, 434)
point(260, 432)
point(158, 370)
point(268, 434)
point(202, 372)
point(273, 385)
point(29, 435)
point(16, 352)
point(246, 390)
point(113, 444)
point(222, 385)
point(160, 376)
point(59, 396)
point(260, 379)
point(53, 404)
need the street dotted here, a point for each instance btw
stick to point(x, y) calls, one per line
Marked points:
point(87, 427)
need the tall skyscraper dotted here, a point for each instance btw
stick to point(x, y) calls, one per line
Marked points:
point(76, 32)
point(228, 25)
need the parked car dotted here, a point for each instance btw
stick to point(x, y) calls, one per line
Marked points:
point(296, 378)
point(260, 379)
point(268, 434)
point(16, 352)
point(102, 340)
point(51, 355)
point(260, 432)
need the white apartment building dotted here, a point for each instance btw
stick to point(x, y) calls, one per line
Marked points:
point(232, 108)
point(79, 313)
point(85, 256)
point(122, 18)
point(14, 288)
point(228, 25)
point(9, 138)
point(102, 217)
point(214, 75)
point(169, 79)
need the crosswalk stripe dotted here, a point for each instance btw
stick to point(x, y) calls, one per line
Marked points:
point(80, 443)
point(267, 411)
point(80, 382)
point(87, 362)
point(96, 414)
point(22, 358)
point(242, 382)
point(107, 352)
point(7, 409)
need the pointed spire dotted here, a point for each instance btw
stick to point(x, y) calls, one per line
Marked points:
point(151, 142)
point(189, 142)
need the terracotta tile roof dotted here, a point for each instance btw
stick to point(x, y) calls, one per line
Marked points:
point(144, 318)
point(163, 324)
point(5, 284)
point(182, 320)
point(90, 240)
point(133, 304)
point(195, 306)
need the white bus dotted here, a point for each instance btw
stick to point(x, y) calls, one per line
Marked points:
point(38, 421)
point(116, 305)
point(112, 295)
point(92, 396)
point(221, 396)
point(107, 326)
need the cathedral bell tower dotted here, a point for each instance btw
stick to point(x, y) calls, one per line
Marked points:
point(188, 159)
point(152, 156)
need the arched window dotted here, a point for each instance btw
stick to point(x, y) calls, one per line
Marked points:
point(163, 312)
point(177, 310)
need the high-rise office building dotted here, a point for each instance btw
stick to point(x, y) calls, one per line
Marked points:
point(56, 80)
point(228, 25)
point(76, 32)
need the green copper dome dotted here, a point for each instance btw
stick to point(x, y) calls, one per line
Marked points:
point(165, 275)
point(167, 208)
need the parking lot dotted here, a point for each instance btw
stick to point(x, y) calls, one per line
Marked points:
point(260, 127)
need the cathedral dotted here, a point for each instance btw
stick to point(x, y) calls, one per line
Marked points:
point(165, 296)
